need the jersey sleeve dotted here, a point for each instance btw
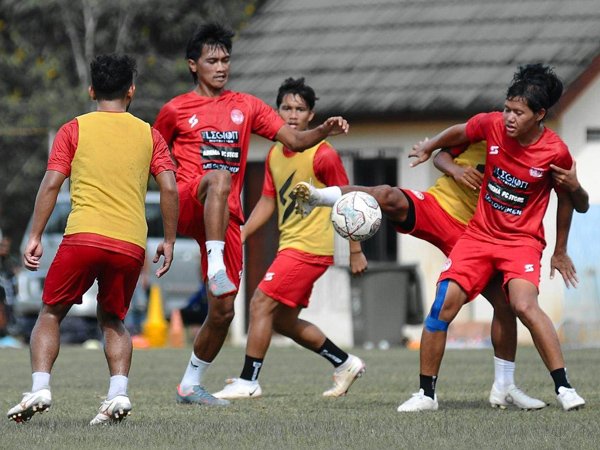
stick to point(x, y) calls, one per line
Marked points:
point(268, 189)
point(64, 147)
point(161, 157)
point(478, 125)
point(328, 166)
point(563, 160)
point(265, 121)
point(166, 122)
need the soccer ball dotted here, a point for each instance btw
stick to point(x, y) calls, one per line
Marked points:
point(356, 216)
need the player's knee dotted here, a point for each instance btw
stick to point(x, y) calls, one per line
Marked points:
point(221, 317)
point(221, 182)
point(391, 200)
point(525, 309)
point(433, 322)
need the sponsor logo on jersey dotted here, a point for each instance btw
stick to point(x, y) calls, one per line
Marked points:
point(506, 195)
point(220, 137)
point(501, 207)
point(509, 179)
point(418, 194)
point(536, 173)
point(269, 276)
point(494, 150)
point(529, 267)
point(193, 121)
point(237, 116)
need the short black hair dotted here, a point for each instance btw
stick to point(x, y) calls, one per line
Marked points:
point(297, 87)
point(112, 75)
point(537, 84)
point(212, 34)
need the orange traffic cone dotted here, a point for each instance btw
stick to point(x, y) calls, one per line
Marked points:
point(176, 330)
point(155, 327)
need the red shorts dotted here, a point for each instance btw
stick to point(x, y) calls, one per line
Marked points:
point(74, 269)
point(290, 279)
point(432, 223)
point(472, 264)
point(191, 223)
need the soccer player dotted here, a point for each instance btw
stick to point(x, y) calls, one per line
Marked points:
point(209, 130)
point(448, 205)
point(506, 233)
point(108, 155)
point(305, 251)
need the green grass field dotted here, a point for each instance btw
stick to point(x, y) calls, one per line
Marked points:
point(292, 413)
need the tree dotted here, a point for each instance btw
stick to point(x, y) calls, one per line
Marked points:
point(45, 49)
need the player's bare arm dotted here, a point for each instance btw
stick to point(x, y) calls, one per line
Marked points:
point(358, 260)
point(450, 137)
point(169, 207)
point(465, 175)
point(44, 205)
point(301, 140)
point(560, 260)
point(260, 215)
point(567, 179)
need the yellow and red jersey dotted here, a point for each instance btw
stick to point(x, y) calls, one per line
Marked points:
point(319, 165)
point(108, 157)
point(456, 199)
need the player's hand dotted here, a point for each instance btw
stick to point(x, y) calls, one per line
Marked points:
point(164, 249)
point(336, 125)
point(420, 152)
point(33, 254)
point(358, 263)
point(565, 178)
point(469, 177)
point(562, 262)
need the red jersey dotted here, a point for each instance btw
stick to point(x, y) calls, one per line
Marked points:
point(213, 133)
point(516, 183)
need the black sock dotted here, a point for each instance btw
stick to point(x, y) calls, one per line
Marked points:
point(560, 378)
point(427, 383)
point(332, 353)
point(251, 368)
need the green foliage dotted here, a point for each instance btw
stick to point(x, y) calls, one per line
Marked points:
point(45, 49)
point(293, 414)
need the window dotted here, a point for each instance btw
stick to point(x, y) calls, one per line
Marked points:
point(593, 134)
point(372, 168)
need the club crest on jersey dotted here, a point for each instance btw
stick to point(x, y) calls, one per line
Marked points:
point(237, 116)
point(193, 121)
point(269, 276)
point(447, 265)
point(418, 194)
point(536, 173)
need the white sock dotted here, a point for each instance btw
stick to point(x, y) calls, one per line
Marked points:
point(40, 380)
point(327, 196)
point(214, 253)
point(504, 373)
point(193, 373)
point(117, 386)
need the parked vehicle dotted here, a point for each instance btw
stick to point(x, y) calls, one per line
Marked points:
point(177, 286)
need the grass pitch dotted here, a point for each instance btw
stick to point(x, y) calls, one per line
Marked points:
point(292, 413)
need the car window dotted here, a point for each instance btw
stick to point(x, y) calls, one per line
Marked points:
point(154, 219)
point(58, 220)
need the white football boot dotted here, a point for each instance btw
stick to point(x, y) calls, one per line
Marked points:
point(569, 399)
point(419, 402)
point(237, 388)
point(345, 375)
point(513, 396)
point(112, 411)
point(32, 403)
point(306, 197)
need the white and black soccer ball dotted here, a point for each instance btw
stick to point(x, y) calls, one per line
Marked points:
point(356, 216)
